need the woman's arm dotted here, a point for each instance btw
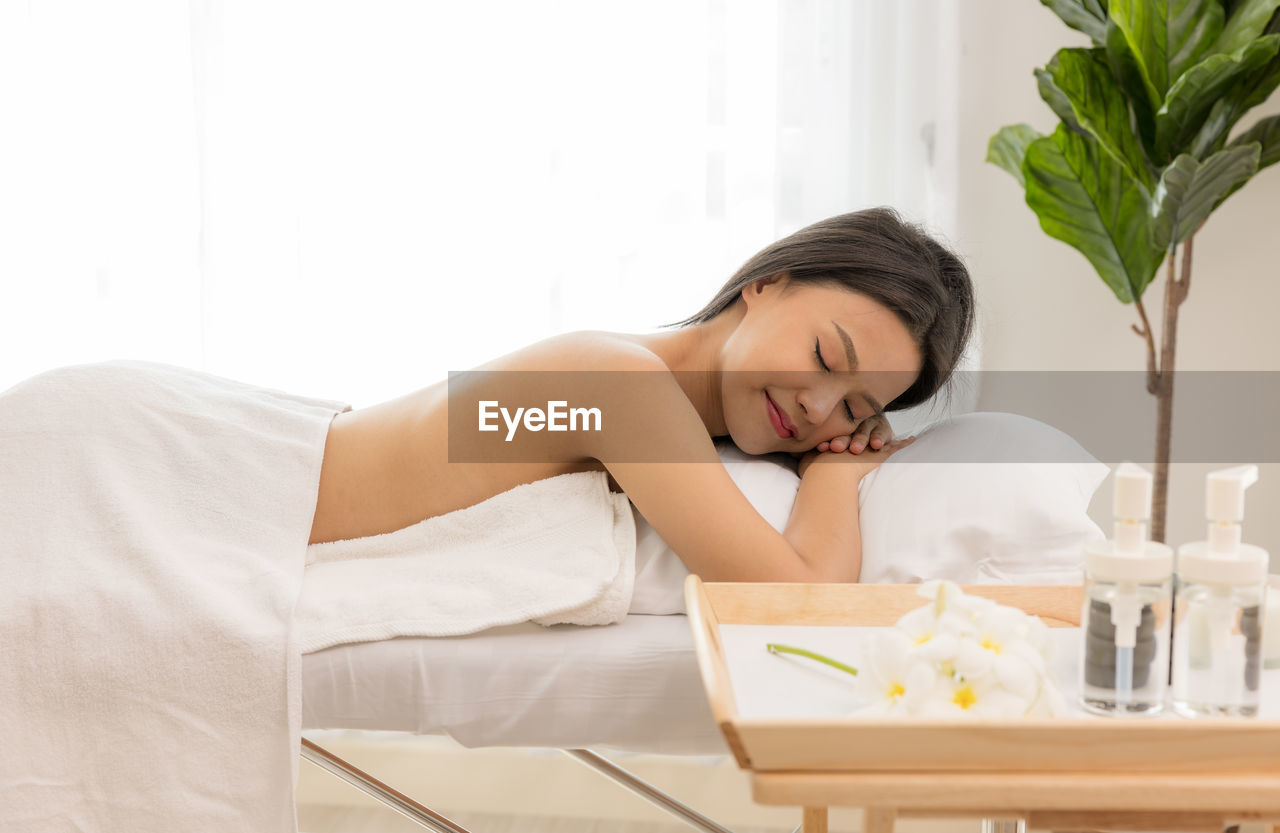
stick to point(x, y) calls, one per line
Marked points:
point(686, 494)
point(825, 514)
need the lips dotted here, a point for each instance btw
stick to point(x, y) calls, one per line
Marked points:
point(778, 418)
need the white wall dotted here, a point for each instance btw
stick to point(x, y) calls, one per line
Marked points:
point(1041, 305)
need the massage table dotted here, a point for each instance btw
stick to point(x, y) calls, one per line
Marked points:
point(632, 687)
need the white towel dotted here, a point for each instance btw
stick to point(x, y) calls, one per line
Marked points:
point(153, 532)
point(559, 550)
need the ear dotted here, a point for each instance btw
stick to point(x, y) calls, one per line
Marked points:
point(771, 285)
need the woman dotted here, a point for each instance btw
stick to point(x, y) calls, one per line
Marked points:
point(795, 353)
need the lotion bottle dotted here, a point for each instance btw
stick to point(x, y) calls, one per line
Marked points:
point(1127, 605)
point(1222, 585)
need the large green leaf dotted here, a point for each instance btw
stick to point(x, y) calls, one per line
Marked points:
point(1214, 129)
point(1135, 41)
point(1088, 16)
point(1247, 92)
point(1193, 97)
point(1165, 37)
point(1267, 134)
point(1142, 96)
point(1085, 198)
point(1078, 85)
point(1189, 191)
point(1009, 146)
point(1246, 23)
point(1194, 26)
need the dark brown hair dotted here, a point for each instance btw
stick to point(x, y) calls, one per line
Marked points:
point(875, 253)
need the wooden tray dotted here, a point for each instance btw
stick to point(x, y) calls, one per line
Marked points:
point(859, 744)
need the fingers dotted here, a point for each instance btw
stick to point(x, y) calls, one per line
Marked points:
point(881, 434)
point(869, 432)
point(888, 448)
point(873, 433)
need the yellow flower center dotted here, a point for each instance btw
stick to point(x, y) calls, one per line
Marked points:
point(964, 697)
point(897, 690)
point(991, 645)
point(923, 638)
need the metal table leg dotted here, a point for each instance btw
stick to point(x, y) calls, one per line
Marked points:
point(646, 791)
point(366, 783)
point(432, 820)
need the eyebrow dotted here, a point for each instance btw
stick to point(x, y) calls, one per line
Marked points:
point(852, 356)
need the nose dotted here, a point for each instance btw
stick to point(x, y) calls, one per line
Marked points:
point(817, 403)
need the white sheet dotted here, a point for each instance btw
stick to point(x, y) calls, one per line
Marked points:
point(558, 550)
point(153, 530)
point(631, 686)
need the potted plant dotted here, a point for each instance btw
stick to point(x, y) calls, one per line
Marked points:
point(1142, 154)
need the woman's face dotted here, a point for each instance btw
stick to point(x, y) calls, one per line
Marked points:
point(808, 363)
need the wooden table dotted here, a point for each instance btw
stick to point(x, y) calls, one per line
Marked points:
point(1061, 774)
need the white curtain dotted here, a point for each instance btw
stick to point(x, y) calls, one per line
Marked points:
point(350, 199)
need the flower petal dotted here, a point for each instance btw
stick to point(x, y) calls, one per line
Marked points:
point(972, 660)
point(918, 624)
point(922, 682)
point(1016, 676)
point(1000, 703)
point(1023, 650)
point(889, 654)
point(942, 648)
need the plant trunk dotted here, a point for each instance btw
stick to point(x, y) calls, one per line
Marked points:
point(1160, 384)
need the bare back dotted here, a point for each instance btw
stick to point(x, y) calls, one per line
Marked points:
point(387, 466)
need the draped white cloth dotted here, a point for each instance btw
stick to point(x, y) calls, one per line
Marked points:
point(153, 535)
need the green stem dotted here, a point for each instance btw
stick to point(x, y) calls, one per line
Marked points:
point(774, 648)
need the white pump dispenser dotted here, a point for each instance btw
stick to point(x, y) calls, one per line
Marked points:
point(1126, 575)
point(1221, 559)
point(1222, 587)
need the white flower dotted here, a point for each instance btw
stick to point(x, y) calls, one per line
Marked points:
point(977, 697)
point(960, 656)
point(895, 677)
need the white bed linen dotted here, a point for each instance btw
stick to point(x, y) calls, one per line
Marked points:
point(153, 531)
point(558, 550)
point(632, 686)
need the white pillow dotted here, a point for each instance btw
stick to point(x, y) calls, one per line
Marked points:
point(982, 498)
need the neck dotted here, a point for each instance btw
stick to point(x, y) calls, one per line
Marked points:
point(693, 354)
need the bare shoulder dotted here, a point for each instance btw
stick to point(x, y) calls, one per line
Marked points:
point(583, 350)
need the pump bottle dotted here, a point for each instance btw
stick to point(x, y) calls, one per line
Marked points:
point(1222, 587)
point(1127, 606)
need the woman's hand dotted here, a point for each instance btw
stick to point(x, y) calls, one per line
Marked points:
point(871, 442)
point(866, 460)
point(872, 432)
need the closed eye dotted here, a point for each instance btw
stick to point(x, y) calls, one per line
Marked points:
point(817, 351)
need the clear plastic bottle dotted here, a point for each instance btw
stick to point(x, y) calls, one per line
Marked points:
point(1221, 604)
point(1127, 608)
